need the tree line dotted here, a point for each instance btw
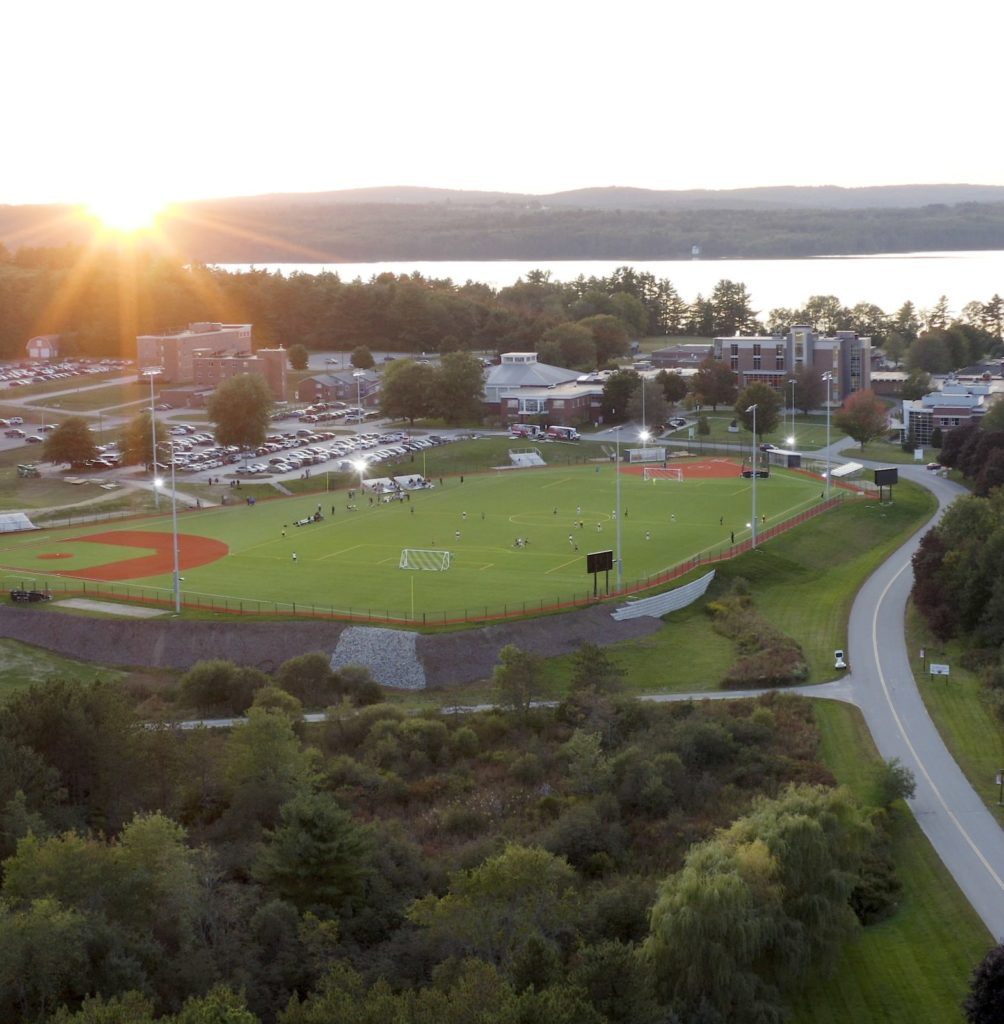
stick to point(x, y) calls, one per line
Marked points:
point(602, 861)
point(99, 303)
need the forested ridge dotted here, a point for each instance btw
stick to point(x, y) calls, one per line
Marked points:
point(428, 224)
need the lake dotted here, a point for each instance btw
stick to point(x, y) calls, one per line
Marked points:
point(885, 280)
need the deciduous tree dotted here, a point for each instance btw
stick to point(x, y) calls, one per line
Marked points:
point(72, 442)
point(458, 388)
point(137, 439)
point(298, 356)
point(362, 358)
point(862, 417)
point(407, 391)
point(493, 910)
point(768, 407)
point(617, 391)
point(517, 679)
point(714, 383)
point(241, 409)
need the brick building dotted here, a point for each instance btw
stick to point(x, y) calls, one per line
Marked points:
point(175, 351)
point(342, 387)
point(772, 360)
point(212, 370)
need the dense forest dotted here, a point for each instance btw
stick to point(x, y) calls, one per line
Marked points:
point(101, 300)
point(603, 861)
point(437, 224)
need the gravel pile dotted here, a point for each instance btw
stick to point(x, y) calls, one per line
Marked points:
point(389, 654)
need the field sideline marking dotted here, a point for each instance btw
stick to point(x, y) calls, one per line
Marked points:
point(343, 551)
point(563, 565)
point(556, 483)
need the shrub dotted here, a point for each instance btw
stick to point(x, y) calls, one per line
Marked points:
point(464, 742)
point(309, 678)
point(220, 687)
point(464, 821)
point(527, 769)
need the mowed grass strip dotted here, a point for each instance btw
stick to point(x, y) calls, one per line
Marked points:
point(912, 968)
point(350, 559)
point(967, 723)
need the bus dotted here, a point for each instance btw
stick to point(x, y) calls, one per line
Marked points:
point(562, 433)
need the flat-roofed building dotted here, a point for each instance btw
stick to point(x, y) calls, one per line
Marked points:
point(773, 359)
point(175, 350)
point(209, 371)
point(953, 406)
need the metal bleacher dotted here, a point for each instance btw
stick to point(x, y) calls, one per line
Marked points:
point(670, 601)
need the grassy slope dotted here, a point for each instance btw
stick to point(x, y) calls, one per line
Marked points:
point(970, 729)
point(21, 665)
point(686, 654)
point(914, 967)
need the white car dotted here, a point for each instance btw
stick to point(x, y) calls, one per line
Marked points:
point(838, 660)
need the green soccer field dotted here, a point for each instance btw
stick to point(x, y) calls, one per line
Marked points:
point(516, 539)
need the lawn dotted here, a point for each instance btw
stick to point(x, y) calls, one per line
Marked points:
point(350, 559)
point(968, 726)
point(90, 398)
point(914, 967)
point(809, 432)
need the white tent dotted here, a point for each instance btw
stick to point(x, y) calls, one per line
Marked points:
point(15, 522)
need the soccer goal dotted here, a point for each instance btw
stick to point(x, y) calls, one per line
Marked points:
point(654, 473)
point(419, 558)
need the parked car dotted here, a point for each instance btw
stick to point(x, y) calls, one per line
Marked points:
point(13, 432)
point(33, 439)
point(839, 661)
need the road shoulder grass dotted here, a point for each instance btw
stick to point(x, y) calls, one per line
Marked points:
point(914, 967)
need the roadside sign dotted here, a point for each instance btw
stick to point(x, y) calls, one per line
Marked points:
point(939, 670)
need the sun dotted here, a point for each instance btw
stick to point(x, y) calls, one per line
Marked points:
point(125, 213)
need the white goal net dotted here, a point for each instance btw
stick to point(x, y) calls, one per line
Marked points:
point(654, 473)
point(430, 561)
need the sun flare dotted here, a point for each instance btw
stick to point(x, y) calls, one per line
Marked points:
point(125, 213)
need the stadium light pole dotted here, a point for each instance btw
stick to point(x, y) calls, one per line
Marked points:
point(752, 409)
point(359, 374)
point(360, 465)
point(158, 482)
point(828, 377)
point(617, 511)
point(791, 439)
point(152, 372)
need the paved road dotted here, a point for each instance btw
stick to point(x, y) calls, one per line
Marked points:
point(964, 833)
point(958, 824)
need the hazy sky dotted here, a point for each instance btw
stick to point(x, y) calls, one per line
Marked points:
point(197, 99)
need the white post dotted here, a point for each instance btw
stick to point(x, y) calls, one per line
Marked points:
point(828, 377)
point(153, 442)
point(792, 382)
point(752, 409)
point(174, 532)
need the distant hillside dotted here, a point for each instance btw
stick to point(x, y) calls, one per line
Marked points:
point(405, 223)
point(784, 197)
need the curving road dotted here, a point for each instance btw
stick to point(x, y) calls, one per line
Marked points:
point(962, 830)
